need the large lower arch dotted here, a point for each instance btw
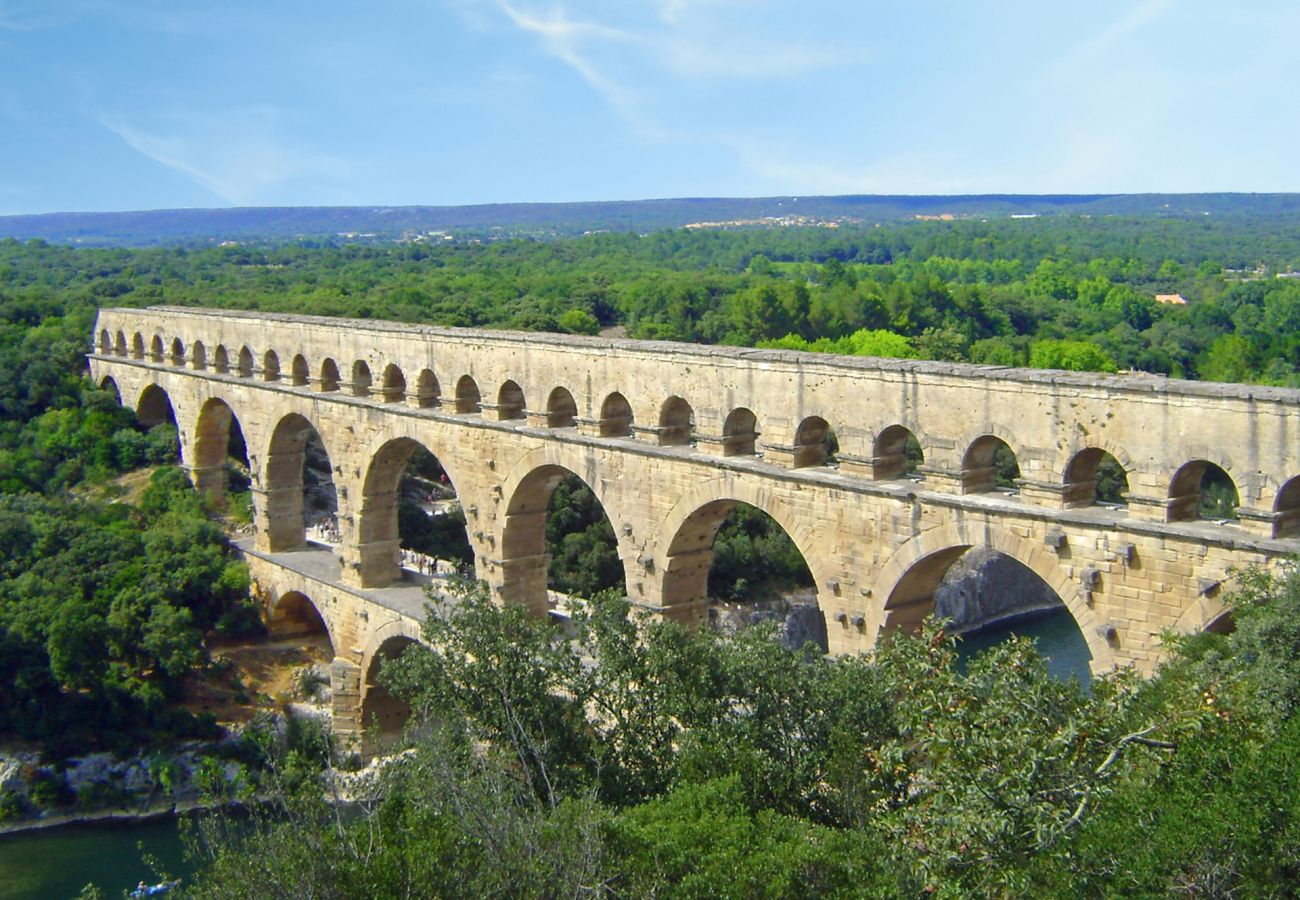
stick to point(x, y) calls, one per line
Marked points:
point(218, 437)
point(285, 484)
point(379, 540)
point(293, 615)
point(524, 563)
point(382, 712)
point(154, 408)
point(687, 537)
point(110, 385)
point(907, 583)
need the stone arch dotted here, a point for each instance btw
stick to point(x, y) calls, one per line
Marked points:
point(294, 614)
point(283, 482)
point(270, 366)
point(299, 371)
point(119, 343)
point(105, 341)
point(137, 346)
point(378, 535)
point(245, 362)
point(524, 564)
point(154, 407)
point(687, 538)
point(380, 709)
point(510, 401)
point(198, 356)
point(615, 416)
point(109, 384)
point(1286, 509)
point(561, 410)
point(889, 457)
point(1204, 614)
point(427, 390)
point(177, 352)
point(1185, 489)
point(156, 348)
point(468, 398)
point(329, 375)
point(908, 581)
point(676, 422)
point(361, 379)
point(740, 433)
point(393, 384)
point(812, 443)
point(221, 360)
point(1082, 472)
point(979, 470)
point(214, 429)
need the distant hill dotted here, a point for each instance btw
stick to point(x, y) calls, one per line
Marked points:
point(389, 223)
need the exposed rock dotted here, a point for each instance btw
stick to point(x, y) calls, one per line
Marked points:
point(984, 586)
point(802, 625)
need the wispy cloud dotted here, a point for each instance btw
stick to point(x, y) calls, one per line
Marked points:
point(235, 156)
point(1134, 20)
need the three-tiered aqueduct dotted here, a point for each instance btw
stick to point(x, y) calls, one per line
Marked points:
point(671, 436)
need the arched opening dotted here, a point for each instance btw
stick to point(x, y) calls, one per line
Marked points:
point(410, 516)
point(199, 356)
point(221, 360)
point(427, 390)
point(221, 468)
point(299, 372)
point(105, 342)
point(814, 443)
point(381, 710)
point(301, 498)
point(561, 410)
point(119, 344)
point(557, 537)
point(468, 398)
point(1287, 507)
point(740, 433)
point(989, 464)
point(270, 366)
point(741, 564)
point(110, 386)
point(245, 363)
point(510, 401)
point(360, 379)
point(676, 422)
point(156, 349)
point(615, 416)
point(986, 596)
point(896, 454)
point(329, 375)
point(1094, 476)
point(295, 617)
point(137, 346)
point(1201, 490)
point(156, 416)
point(393, 387)
point(178, 352)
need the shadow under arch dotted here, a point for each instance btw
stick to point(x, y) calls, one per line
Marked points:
point(154, 407)
point(1202, 488)
point(295, 614)
point(990, 462)
point(1095, 474)
point(285, 480)
point(909, 580)
point(524, 561)
point(1286, 507)
point(218, 439)
point(687, 536)
point(381, 711)
point(896, 453)
point(107, 383)
point(676, 422)
point(378, 531)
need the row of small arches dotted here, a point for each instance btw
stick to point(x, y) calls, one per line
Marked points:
point(896, 451)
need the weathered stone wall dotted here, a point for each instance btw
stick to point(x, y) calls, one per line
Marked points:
point(877, 543)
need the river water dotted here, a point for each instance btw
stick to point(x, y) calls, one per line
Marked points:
point(56, 863)
point(1054, 631)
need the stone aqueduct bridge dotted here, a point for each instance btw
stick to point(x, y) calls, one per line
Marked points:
point(671, 436)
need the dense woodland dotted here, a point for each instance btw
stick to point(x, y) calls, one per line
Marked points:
point(649, 760)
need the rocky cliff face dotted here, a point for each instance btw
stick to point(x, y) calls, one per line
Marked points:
point(984, 586)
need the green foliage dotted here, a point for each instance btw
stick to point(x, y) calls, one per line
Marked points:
point(1074, 356)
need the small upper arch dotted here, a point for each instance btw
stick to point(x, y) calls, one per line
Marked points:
point(615, 416)
point(245, 362)
point(740, 433)
point(361, 379)
point(137, 346)
point(468, 398)
point(428, 392)
point(105, 341)
point(1094, 475)
point(329, 375)
point(393, 385)
point(1286, 508)
point(510, 401)
point(119, 343)
point(177, 352)
point(156, 348)
point(270, 366)
point(895, 453)
point(299, 371)
point(1201, 489)
point(676, 422)
point(561, 410)
point(221, 359)
point(198, 356)
point(814, 443)
point(989, 462)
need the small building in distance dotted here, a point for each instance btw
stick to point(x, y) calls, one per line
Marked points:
point(1172, 299)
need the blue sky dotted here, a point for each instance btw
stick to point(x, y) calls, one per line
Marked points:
point(142, 104)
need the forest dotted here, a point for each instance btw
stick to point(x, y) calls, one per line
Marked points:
point(647, 760)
